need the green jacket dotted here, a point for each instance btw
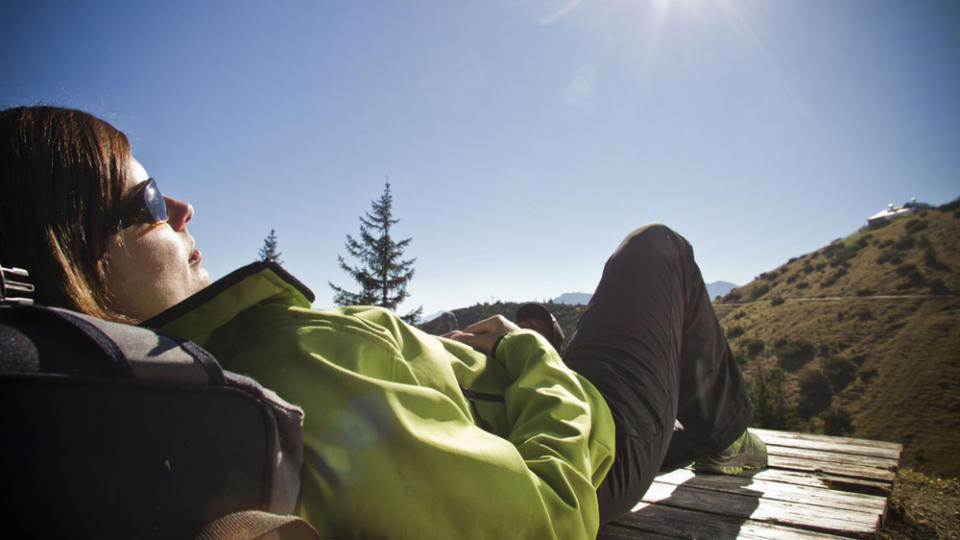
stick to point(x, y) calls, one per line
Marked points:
point(406, 434)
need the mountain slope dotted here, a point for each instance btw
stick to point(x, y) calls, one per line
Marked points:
point(861, 337)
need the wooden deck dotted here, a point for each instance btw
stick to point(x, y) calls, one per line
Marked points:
point(815, 487)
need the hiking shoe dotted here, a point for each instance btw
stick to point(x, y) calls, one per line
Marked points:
point(746, 455)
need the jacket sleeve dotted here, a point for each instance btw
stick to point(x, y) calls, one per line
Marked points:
point(392, 453)
point(549, 417)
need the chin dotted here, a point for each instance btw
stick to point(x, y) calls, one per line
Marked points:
point(203, 279)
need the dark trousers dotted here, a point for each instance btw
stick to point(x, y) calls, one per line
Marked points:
point(651, 344)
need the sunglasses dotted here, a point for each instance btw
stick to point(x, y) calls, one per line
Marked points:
point(144, 205)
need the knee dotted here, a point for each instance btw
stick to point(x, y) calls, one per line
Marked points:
point(654, 239)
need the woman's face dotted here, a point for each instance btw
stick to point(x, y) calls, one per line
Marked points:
point(153, 267)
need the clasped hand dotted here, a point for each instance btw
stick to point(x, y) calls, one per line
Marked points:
point(483, 335)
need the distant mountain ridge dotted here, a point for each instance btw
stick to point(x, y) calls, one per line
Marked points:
point(573, 298)
point(720, 288)
point(714, 289)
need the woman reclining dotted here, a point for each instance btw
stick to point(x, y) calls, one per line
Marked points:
point(487, 433)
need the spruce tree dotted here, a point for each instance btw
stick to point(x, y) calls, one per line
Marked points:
point(381, 273)
point(269, 250)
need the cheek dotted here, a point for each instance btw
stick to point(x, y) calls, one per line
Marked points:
point(140, 261)
point(146, 273)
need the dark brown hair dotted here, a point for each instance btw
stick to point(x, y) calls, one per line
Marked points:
point(62, 173)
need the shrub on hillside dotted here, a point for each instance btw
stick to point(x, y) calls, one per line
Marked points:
point(815, 394)
point(915, 225)
point(755, 347)
point(770, 407)
point(837, 421)
point(865, 292)
point(839, 371)
point(739, 315)
point(844, 253)
point(820, 266)
point(867, 374)
point(791, 278)
point(777, 300)
point(733, 296)
point(913, 275)
point(905, 243)
point(803, 285)
point(905, 269)
point(863, 313)
point(930, 260)
point(835, 245)
point(759, 291)
point(793, 355)
point(889, 255)
point(832, 278)
point(937, 286)
point(769, 276)
point(734, 332)
point(950, 206)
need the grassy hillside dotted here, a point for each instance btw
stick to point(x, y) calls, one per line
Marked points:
point(861, 338)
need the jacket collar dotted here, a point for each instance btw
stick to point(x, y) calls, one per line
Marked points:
point(199, 315)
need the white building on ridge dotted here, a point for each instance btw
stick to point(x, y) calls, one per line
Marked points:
point(893, 212)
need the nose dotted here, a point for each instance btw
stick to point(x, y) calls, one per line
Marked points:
point(179, 212)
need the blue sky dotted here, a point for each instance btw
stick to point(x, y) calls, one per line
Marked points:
point(522, 139)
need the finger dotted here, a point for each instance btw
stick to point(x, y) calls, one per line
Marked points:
point(480, 342)
point(458, 335)
point(472, 340)
point(483, 326)
point(492, 325)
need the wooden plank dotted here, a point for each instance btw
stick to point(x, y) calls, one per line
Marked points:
point(833, 457)
point(821, 480)
point(824, 480)
point(837, 469)
point(810, 517)
point(859, 485)
point(829, 481)
point(616, 531)
point(779, 438)
point(755, 487)
point(828, 439)
point(671, 521)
